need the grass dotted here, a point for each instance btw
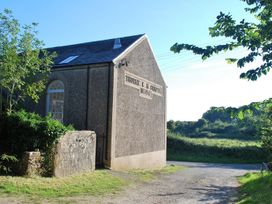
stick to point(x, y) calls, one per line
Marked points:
point(100, 182)
point(148, 175)
point(214, 150)
point(255, 188)
point(97, 183)
point(207, 158)
point(221, 142)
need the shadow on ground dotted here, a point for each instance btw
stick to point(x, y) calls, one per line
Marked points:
point(219, 194)
point(169, 194)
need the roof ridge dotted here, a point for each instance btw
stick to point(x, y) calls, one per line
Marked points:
point(86, 43)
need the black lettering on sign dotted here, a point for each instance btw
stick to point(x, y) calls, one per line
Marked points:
point(132, 80)
point(146, 88)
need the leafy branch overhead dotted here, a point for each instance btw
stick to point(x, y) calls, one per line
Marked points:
point(256, 37)
point(24, 65)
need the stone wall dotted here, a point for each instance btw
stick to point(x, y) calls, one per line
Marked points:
point(30, 165)
point(75, 153)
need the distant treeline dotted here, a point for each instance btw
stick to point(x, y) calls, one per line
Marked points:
point(220, 122)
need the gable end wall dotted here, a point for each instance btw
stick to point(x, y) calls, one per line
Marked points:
point(139, 137)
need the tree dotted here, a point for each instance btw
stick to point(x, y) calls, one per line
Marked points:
point(266, 131)
point(171, 125)
point(201, 123)
point(256, 37)
point(24, 65)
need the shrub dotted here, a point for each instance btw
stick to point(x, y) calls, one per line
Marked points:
point(6, 163)
point(23, 131)
point(266, 133)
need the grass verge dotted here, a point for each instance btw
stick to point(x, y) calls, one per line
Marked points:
point(205, 157)
point(100, 182)
point(255, 188)
point(96, 183)
point(182, 148)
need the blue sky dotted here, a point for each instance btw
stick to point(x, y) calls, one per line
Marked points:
point(193, 85)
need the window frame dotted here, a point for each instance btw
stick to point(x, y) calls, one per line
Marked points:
point(50, 91)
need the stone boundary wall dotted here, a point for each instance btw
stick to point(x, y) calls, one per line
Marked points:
point(30, 165)
point(75, 153)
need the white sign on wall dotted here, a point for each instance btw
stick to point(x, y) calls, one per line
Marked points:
point(146, 88)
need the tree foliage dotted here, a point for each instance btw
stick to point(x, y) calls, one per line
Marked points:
point(256, 37)
point(266, 131)
point(244, 123)
point(6, 162)
point(24, 65)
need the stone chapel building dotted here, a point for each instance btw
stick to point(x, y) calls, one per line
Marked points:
point(115, 88)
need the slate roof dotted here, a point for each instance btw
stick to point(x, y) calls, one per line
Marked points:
point(92, 52)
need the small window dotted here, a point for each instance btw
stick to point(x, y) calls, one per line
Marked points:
point(117, 43)
point(69, 59)
point(55, 100)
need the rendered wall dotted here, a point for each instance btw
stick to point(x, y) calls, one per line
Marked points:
point(84, 108)
point(75, 96)
point(139, 122)
point(86, 114)
point(126, 123)
point(98, 108)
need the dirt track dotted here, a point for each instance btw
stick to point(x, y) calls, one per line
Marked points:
point(200, 183)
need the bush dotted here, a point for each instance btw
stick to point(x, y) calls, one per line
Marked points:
point(7, 163)
point(23, 131)
point(266, 133)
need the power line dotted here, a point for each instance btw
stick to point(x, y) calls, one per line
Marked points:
point(186, 63)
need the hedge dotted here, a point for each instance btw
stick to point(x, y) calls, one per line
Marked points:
point(23, 131)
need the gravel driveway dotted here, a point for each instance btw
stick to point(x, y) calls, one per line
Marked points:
point(200, 183)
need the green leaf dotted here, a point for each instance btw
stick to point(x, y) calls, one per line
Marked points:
point(22, 75)
point(240, 115)
point(231, 60)
point(254, 36)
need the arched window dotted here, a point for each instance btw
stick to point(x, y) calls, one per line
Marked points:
point(55, 100)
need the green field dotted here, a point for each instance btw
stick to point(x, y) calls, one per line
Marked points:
point(181, 148)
